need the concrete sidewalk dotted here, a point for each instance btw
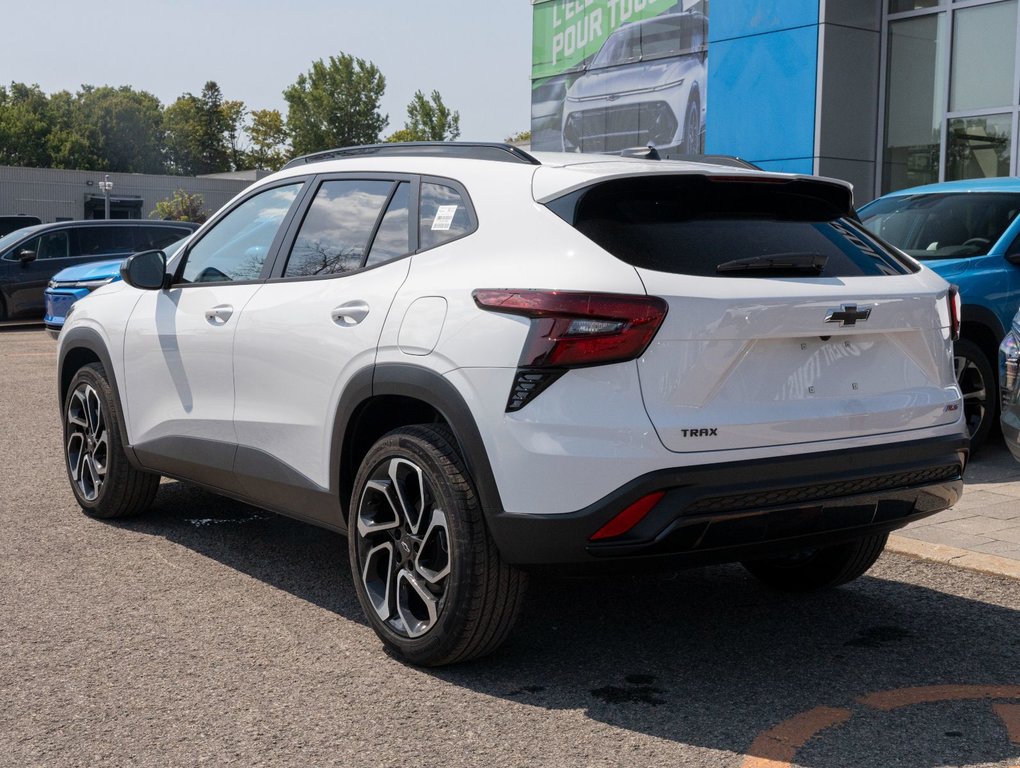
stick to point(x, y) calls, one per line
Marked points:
point(982, 532)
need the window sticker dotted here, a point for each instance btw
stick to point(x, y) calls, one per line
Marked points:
point(444, 217)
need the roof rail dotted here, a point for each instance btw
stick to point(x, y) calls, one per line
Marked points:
point(506, 153)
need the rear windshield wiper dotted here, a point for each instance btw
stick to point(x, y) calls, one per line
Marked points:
point(797, 263)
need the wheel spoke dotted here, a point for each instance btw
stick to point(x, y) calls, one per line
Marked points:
point(76, 410)
point(410, 487)
point(433, 559)
point(75, 454)
point(979, 394)
point(377, 512)
point(93, 411)
point(100, 456)
point(416, 605)
point(377, 578)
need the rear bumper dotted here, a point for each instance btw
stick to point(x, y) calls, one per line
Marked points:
point(741, 510)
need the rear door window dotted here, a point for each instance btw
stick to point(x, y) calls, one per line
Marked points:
point(338, 227)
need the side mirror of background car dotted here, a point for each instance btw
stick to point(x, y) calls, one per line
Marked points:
point(1013, 257)
point(26, 256)
point(145, 270)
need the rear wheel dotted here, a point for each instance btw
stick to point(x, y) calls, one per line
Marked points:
point(692, 128)
point(103, 480)
point(977, 383)
point(427, 573)
point(819, 567)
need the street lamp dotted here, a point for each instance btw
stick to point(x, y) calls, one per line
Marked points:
point(107, 186)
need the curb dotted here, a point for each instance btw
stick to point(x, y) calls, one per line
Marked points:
point(961, 558)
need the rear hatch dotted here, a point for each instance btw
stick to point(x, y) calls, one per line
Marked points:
point(788, 323)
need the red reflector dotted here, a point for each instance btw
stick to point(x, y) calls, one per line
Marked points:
point(953, 297)
point(630, 517)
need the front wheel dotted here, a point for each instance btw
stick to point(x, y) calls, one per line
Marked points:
point(427, 573)
point(103, 480)
point(819, 567)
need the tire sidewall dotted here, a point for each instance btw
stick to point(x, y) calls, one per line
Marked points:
point(968, 349)
point(93, 375)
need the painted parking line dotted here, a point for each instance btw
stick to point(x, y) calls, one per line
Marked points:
point(778, 746)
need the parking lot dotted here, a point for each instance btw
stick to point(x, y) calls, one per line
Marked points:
point(209, 632)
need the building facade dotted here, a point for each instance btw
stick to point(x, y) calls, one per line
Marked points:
point(883, 93)
point(59, 195)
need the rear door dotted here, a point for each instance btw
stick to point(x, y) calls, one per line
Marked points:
point(53, 251)
point(787, 324)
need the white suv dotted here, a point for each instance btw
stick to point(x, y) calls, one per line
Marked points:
point(473, 360)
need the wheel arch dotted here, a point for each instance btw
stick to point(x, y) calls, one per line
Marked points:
point(390, 395)
point(80, 347)
point(981, 326)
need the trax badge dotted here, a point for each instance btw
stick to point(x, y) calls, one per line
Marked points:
point(710, 432)
point(848, 314)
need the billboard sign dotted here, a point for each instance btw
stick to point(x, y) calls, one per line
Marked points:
point(609, 75)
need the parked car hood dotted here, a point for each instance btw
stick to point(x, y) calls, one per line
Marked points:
point(94, 270)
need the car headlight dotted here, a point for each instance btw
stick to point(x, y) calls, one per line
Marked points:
point(1009, 364)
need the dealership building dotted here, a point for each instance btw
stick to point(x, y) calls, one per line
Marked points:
point(886, 94)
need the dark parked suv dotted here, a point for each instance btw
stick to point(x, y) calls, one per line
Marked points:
point(29, 257)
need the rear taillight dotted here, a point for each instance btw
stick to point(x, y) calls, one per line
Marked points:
point(573, 330)
point(955, 307)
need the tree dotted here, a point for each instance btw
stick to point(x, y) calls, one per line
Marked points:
point(518, 138)
point(197, 133)
point(24, 126)
point(181, 207)
point(234, 113)
point(268, 140)
point(335, 104)
point(429, 119)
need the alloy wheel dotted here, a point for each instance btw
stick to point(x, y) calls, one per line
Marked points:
point(403, 544)
point(975, 392)
point(88, 447)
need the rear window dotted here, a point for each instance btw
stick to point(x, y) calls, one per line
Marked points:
point(728, 228)
point(943, 225)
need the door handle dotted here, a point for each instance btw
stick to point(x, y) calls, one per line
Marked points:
point(219, 315)
point(351, 313)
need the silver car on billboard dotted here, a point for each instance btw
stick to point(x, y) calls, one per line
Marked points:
point(645, 86)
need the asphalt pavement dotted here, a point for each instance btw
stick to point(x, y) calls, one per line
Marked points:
point(208, 632)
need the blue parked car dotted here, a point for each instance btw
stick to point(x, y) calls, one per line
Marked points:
point(74, 283)
point(969, 233)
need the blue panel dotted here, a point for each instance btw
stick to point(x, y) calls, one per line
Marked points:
point(739, 18)
point(805, 165)
point(761, 95)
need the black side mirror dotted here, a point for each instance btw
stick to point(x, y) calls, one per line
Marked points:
point(25, 256)
point(145, 270)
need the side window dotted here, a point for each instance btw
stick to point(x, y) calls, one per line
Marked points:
point(334, 235)
point(154, 238)
point(391, 241)
point(237, 246)
point(98, 241)
point(443, 215)
point(52, 245)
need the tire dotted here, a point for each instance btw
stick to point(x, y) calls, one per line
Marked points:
point(819, 568)
point(104, 483)
point(692, 128)
point(428, 575)
point(976, 378)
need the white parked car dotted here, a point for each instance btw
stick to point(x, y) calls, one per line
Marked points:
point(472, 361)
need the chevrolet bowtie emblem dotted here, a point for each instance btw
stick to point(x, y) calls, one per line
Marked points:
point(848, 314)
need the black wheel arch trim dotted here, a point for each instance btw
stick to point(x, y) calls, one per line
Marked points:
point(89, 339)
point(431, 388)
point(976, 314)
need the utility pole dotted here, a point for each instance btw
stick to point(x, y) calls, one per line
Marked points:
point(107, 186)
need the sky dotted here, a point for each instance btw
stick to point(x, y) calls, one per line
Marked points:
point(476, 54)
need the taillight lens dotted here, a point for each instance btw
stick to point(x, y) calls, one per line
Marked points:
point(572, 330)
point(955, 308)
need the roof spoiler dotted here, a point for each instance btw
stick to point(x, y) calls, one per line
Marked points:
point(652, 153)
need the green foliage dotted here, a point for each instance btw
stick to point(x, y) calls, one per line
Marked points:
point(24, 126)
point(518, 138)
point(429, 119)
point(181, 207)
point(197, 133)
point(404, 134)
point(335, 104)
point(268, 137)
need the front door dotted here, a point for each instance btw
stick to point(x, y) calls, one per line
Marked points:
point(180, 381)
